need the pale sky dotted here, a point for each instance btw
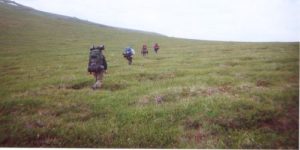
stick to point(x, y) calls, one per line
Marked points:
point(226, 20)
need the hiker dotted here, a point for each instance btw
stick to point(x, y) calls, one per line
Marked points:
point(97, 65)
point(156, 47)
point(144, 50)
point(128, 54)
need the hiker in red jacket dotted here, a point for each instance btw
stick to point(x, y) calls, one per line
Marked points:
point(144, 50)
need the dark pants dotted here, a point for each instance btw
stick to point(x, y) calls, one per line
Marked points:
point(129, 58)
point(144, 53)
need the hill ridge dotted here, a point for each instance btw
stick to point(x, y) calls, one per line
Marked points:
point(27, 8)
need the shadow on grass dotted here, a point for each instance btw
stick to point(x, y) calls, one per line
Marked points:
point(75, 86)
point(114, 86)
point(89, 83)
point(81, 85)
point(155, 76)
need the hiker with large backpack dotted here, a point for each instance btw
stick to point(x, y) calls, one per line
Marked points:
point(156, 47)
point(128, 54)
point(144, 50)
point(97, 64)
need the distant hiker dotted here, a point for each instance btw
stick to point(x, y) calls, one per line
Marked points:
point(144, 50)
point(97, 64)
point(156, 47)
point(128, 54)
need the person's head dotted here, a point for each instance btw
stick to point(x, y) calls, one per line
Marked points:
point(102, 47)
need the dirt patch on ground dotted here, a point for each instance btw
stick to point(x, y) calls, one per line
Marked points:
point(230, 64)
point(154, 77)
point(192, 124)
point(40, 140)
point(216, 90)
point(143, 101)
point(146, 100)
point(167, 75)
point(114, 86)
point(286, 122)
point(195, 136)
point(194, 131)
point(80, 85)
point(184, 93)
point(294, 79)
point(76, 86)
point(89, 84)
point(147, 76)
point(35, 124)
point(46, 141)
point(262, 83)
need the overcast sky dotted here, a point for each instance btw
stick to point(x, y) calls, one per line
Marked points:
point(227, 20)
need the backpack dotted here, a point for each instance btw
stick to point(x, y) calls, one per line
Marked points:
point(129, 52)
point(156, 47)
point(96, 60)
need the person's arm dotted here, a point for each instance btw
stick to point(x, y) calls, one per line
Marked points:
point(104, 63)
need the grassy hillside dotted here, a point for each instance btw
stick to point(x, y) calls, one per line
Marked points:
point(213, 94)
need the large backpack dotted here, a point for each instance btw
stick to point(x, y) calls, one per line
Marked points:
point(96, 60)
point(129, 52)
